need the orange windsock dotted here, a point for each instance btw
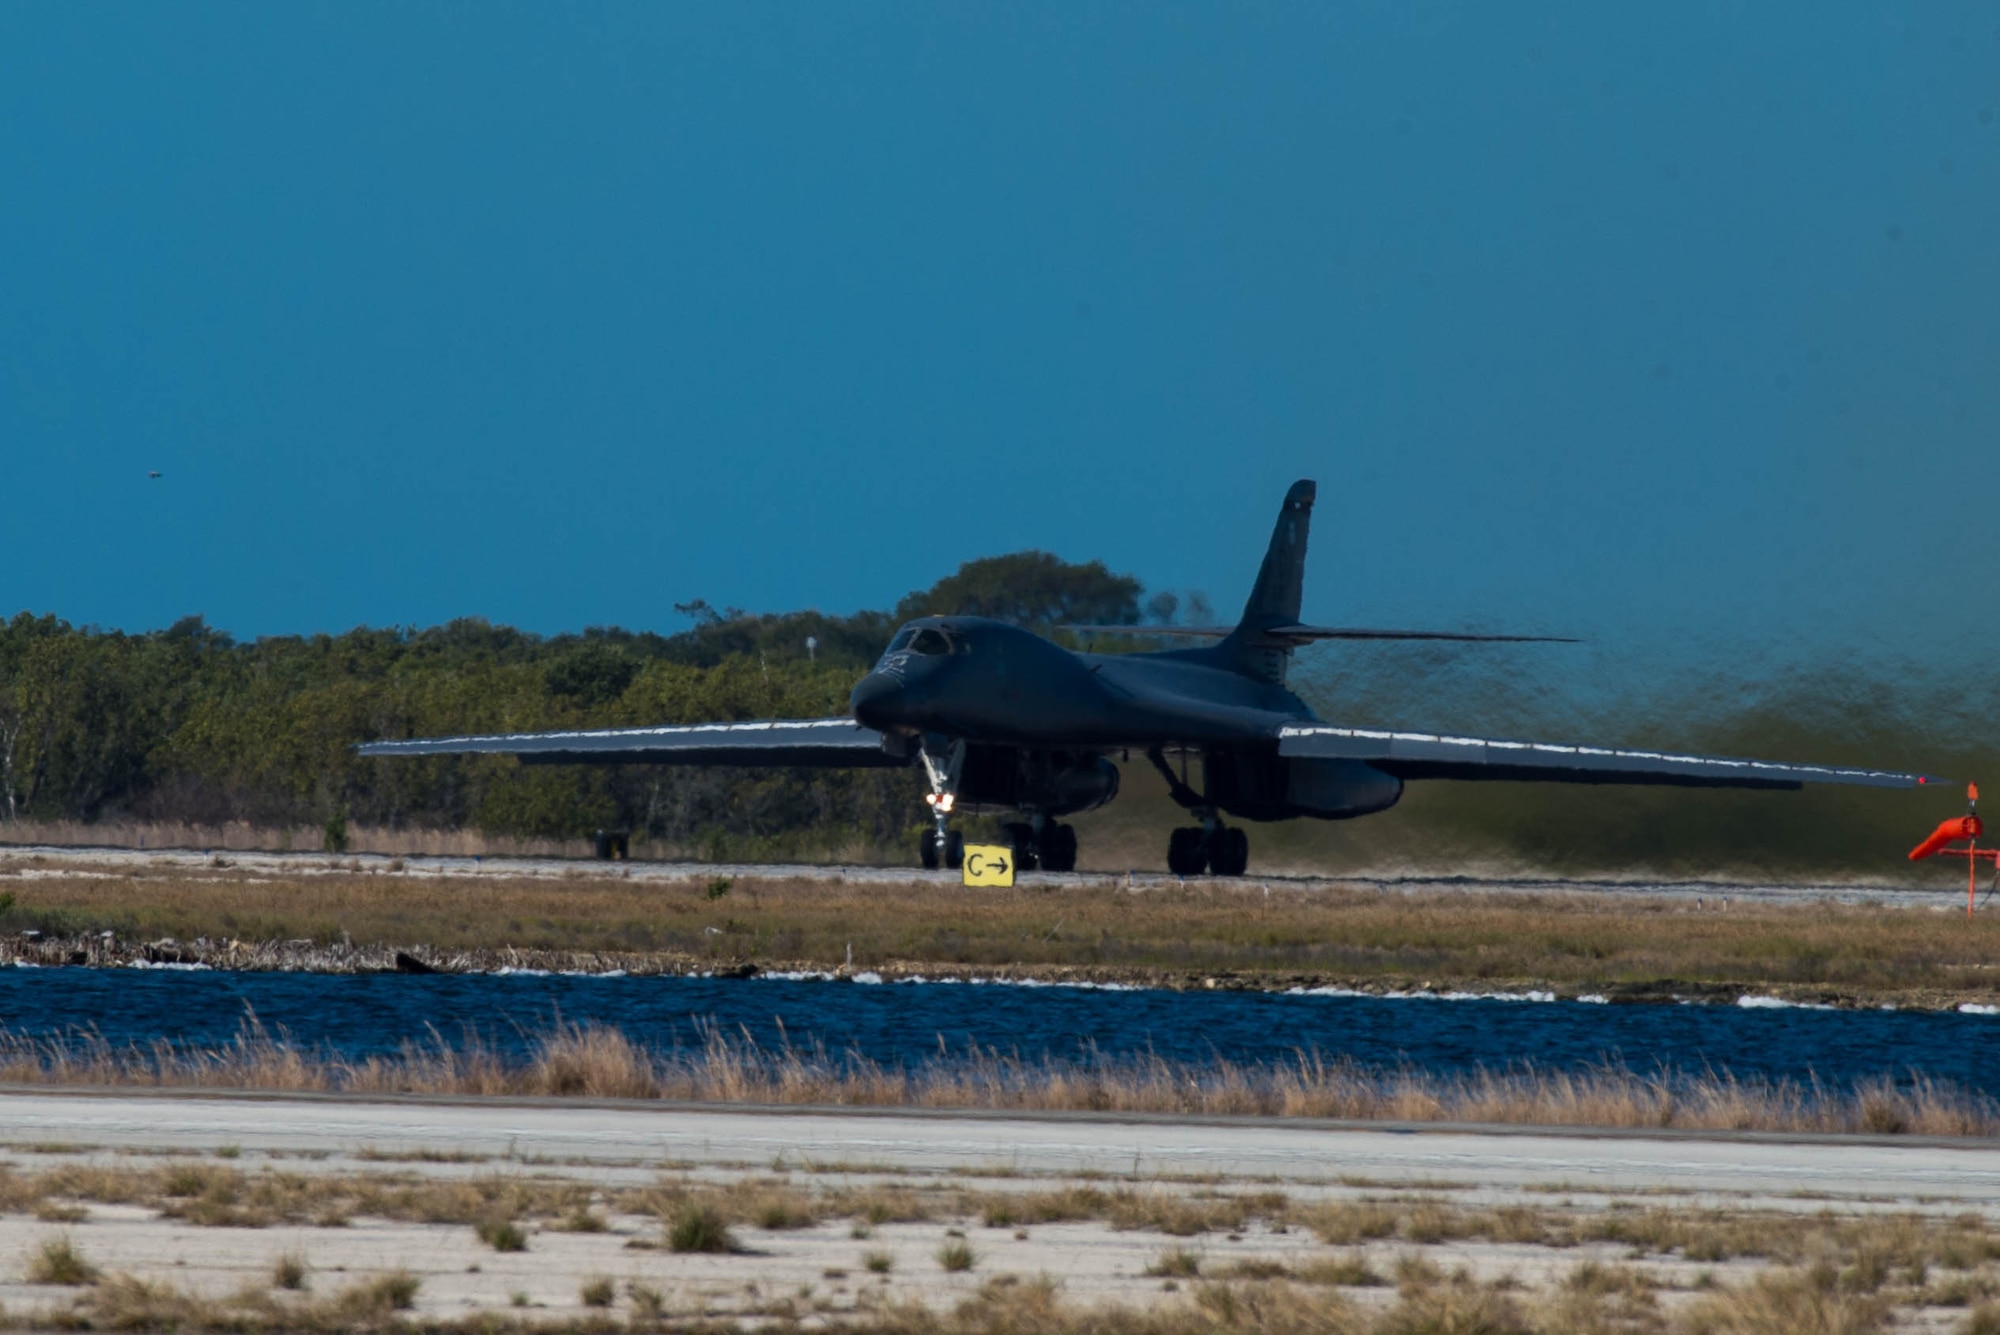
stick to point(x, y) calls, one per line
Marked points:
point(1958, 827)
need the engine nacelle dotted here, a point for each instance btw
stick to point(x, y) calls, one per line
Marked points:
point(1338, 789)
point(1084, 787)
point(1056, 783)
point(1267, 787)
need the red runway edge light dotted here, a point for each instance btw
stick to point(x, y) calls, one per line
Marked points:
point(1966, 827)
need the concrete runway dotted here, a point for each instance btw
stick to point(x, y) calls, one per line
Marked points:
point(934, 1141)
point(98, 861)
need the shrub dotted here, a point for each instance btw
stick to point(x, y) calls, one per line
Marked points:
point(583, 1219)
point(648, 1303)
point(334, 833)
point(699, 1228)
point(956, 1256)
point(289, 1272)
point(598, 1291)
point(783, 1210)
point(396, 1291)
point(1179, 1262)
point(57, 1261)
point(502, 1235)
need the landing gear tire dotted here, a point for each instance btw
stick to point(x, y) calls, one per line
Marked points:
point(1021, 836)
point(1185, 854)
point(1058, 850)
point(954, 851)
point(1229, 852)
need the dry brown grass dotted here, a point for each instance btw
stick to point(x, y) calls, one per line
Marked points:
point(1790, 1303)
point(1874, 1250)
point(1941, 1256)
point(1827, 1274)
point(1353, 934)
point(1605, 1303)
point(58, 1261)
point(594, 1061)
point(127, 1302)
point(244, 837)
point(210, 1196)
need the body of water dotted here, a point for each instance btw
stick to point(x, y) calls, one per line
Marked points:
point(909, 1023)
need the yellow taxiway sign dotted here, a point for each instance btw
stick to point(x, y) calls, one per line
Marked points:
point(989, 864)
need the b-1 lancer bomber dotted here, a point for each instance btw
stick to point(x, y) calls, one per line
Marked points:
point(1002, 719)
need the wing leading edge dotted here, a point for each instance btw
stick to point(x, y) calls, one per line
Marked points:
point(1423, 755)
point(1299, 634)
point(832, 742)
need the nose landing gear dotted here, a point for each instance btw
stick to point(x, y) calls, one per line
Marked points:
point(954, 851)
point(943, 762)
point(1037, 841)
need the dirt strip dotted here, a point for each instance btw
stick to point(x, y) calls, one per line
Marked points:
point(263, 1212)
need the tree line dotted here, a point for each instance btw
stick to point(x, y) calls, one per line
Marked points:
point(189, 725)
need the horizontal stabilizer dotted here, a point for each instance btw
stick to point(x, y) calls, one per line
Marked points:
point(1298, 634)
point(835, 742)
point(1423, 755)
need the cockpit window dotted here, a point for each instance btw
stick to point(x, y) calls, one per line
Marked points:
point(930, 640)
point(901, 642)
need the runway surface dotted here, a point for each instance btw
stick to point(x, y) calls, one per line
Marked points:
point(69, 861)
point(934, 1141)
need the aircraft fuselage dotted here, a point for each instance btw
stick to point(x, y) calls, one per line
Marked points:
point(998, 684)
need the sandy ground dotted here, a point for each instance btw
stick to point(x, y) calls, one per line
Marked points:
point(825, 1269)
point(88, 861)
point(1292, 1151)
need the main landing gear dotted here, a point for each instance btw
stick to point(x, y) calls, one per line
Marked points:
point(1217, 848)
point(1209, 847)
point(1042, 843)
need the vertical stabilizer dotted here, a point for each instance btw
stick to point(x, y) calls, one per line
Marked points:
point(1276, 596)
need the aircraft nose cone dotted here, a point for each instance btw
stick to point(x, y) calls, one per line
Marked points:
point(877, 701)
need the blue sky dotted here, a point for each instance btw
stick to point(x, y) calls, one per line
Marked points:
point(1659, 329)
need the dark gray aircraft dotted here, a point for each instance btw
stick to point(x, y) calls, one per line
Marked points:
point(1001, 719)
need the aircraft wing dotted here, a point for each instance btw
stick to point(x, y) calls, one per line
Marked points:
point(1424, 755)
point(1300, 634)
point(833, 742)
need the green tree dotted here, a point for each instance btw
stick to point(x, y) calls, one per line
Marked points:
point(1031, 588)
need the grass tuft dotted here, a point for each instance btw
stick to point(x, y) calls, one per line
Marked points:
point(57, 1261)
point(649, 1304)
point(699, 1227)
point(393, 1292)
point(582, 1219)
point(1177, 1263)
point(289, 1272)
point(597, 1291)
point(957, 1255)
point(502, 1235)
